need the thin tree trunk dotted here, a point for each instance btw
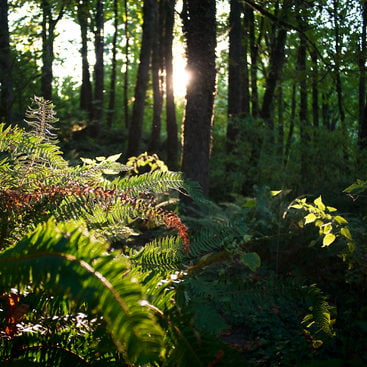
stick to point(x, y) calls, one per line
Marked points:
point(362, 135)
point(112, 97)
point(235, 73)
point(135, 128)
point(98, 70)
point(280, 144)
point(171, 120)
point(199, 21)
point(157, 77)
point(48, 37)
point(254, 50)
point(339, 89)
point(315, 90)
point(276, 61)
point(86, 87)
point(291, 125)
point(6, 97)
point(126, 73)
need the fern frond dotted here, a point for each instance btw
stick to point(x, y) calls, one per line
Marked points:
point(156, 181)
point(62, 258)
point(41, 119)
point(160, 254)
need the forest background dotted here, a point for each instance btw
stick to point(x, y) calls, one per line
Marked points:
point(243, 97)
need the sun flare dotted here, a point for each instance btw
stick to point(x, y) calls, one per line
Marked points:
point(181, 77)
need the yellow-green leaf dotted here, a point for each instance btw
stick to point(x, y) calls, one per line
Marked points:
point(340, 219)
point(328, 239)
point(346, 233)
point(318, 202)
point(310, 218)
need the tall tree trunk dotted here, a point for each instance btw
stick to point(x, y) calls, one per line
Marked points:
point(362, 134)
point(112, 97)
point(171, 120)
point(291, 125)
point(135, 127)
point(245, 105)
point(338, 55)
point(276, 61)
point(86, 87)
point(48, 37)
point(315, 89)
point(303, 109)
point(280, 143)
point(236, 62)
point(254, 50)
point(6, 96)
point(126, 73)
point(157, 78)
point(199, 22)
point(98, 70)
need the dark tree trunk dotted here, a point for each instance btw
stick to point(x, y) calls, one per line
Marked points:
point(276, 61)
point(171, 121)
point(126, 73)
point(245, 105)
point(199, 22)
point(303, 110)
point(291, 125)
point(157, 78)
point(362, 135)
point(254, 47)
point(135, 127)
point(236, 62)
point(48, 37)
point(98, 70)
point(6, 96)
point(86, 87)
point(315, 89)
point(338, 82)
point(112, 97)
point(280, 121)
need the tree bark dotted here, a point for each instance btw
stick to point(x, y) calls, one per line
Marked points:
point(199, 22)
point(135, 127)
point(112, 96)
point(86, 87)
point(48, 37)
point(6, 96)
point(362, 133)
point(315, 89)
point(126, 73)
point(236, 73)
point(157, 79)
point(276, 61)
point(171, 120)
point(98, 70)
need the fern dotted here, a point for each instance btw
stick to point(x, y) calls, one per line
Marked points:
point(61, 258)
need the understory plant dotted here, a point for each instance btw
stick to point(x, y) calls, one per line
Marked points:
point(98, 267)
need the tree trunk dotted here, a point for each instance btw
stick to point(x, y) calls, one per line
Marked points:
point(98, 70)
point(48, 37)
point(315, 90)
point(112, 97)
point(199, 22)
point(157, 78)
point(135, 127)
point(86, 87)
point(276, 61)
point(126, 73)
point(6, 96)
point(171, 121)
point(236, 61)
point(291, 125)
point(362, 135)
point(254, 47)
point(337, 58)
